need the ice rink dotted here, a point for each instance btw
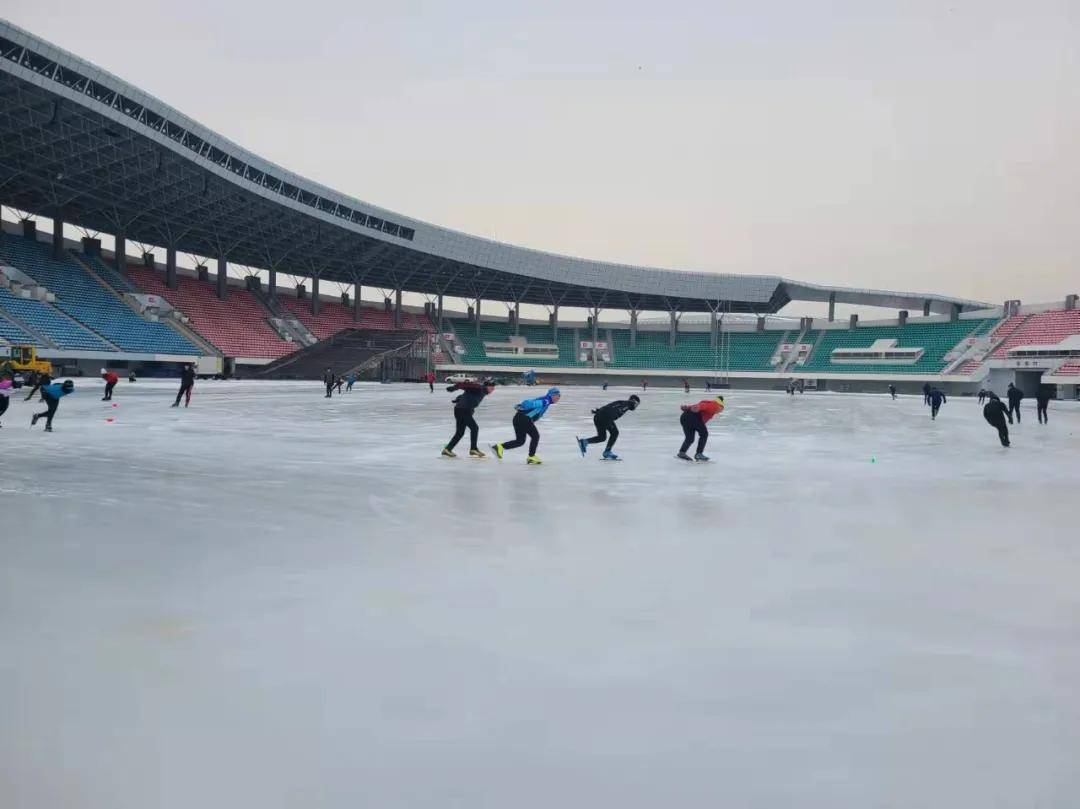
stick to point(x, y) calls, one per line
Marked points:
point(276, 600)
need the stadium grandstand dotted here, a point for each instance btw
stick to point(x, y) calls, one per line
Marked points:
point(83, 148)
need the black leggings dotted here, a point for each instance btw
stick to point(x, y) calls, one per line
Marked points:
point(524, 426)
point(1014, 407)
point(1040, 412)
point(186, 389)
point(108, 390)
point(605, 428)
point(693, 425)
point(329, 390)
point(4, 401)
point(934, 408)
point(997, 421)
point(463, 417)
point(50, 410)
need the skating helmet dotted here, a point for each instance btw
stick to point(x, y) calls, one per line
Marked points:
point(720, 399)
point(68, 386)
point(552, 392)
point(103, 372)
point(634, 401)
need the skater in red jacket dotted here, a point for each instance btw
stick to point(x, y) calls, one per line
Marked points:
point(110, 382)
point(693, 420)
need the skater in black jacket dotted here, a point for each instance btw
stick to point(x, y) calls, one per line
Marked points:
point(926, 393)
point(328, 380)
point(1042, 401)
point(994, 412)
point(937, 399)
point(604, 418)
point(187, 382)
point(465, 405)
point(1014, 395)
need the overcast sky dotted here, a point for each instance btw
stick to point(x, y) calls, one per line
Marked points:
point(909, 145)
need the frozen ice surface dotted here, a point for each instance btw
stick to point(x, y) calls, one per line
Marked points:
point(276, 600)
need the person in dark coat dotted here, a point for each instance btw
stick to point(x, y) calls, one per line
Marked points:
point(604, 418)
point(926, 393)
point(937, 399)
point(1042, 401)
point(994, 411)
point(1015, 396)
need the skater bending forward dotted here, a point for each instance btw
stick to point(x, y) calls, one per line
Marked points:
point(465, 405)
point(53, 394)
point(604, 418)
point(693, 420)
point(528, 413)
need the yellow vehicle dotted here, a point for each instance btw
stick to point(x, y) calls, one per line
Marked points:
point(23, 359)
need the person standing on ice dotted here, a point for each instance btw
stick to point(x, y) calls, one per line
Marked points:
point(110, 382)
point(6, 386)
point(604, 386)
point(644, 384)
point(892, 391)
point(995, 412)
point(693, 420)
point(1015, 396)
point(338, 382)
point(1042, 402)
point(350, 380)
point(686, 384)
point(528, 413)
point(926, 394)
point(604, 418)
point(328, 380)
point(187, 382)
point(431, 381)
point(465, 405)
point(53, 394)
point(937, 399)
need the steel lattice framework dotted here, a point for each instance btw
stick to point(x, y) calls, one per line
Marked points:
point(80, 144)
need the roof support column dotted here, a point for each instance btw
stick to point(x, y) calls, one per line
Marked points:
point(633, 328)
point(553, 319)
point(595, 335)
point(222, 279)
point(674, 328)
point(517, 318)
point(712, 328)
point(272, 285)
point(356, 303)
point(120, 253)
point(439, 314)
point(315, 295)
point(926, 308)
point(170, 268)
point(832, 306)
point(58, 237)
point(397, 308)
point(477, 325)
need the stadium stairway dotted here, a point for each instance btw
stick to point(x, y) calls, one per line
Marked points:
point(349, 350)
point(119, 286)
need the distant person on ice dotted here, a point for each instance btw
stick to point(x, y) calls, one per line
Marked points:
point(110, 382)
point(328, 380)
point(465, 405)
point(187, 382)
point(693, 420)
point(937, 399)
point(338, 382)
point(926, 393)
point(350, 380)
point(431, 381)
point(1042, 402)
point(892, 391)
point(604, 418)
point(53, 394)
point(995, 412)
point(37, 383)
point(604, 386)
point(644, 384)
point(1015, 396)
point(686, 384)
point(528, 413)
point(6, 386)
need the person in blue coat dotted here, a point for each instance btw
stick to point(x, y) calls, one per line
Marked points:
point(53, 394)
point(528, 413)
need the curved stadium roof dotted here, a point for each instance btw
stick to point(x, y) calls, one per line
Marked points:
point(79, 143)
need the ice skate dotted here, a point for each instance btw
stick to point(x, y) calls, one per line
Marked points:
point(475, 453)
point(701, 456)
point(610, 456)
point(583, 445)
point(684, 456)
point(532, 460)
point(448, 453)
point(498, 450)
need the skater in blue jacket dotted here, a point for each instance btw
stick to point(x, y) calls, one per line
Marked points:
point(52, 393)
point(528, 413)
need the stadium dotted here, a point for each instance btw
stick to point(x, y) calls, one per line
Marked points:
point(827, 573)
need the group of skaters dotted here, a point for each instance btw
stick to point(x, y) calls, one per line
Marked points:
point(334, 382)
point(693, 419)
point(997, 414)
point(51, 391)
